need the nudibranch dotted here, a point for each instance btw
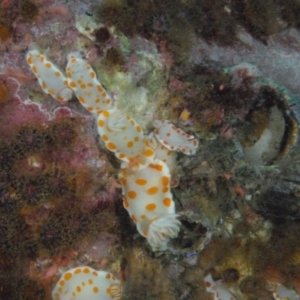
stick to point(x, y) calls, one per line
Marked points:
point(83, 81)
point(50, 78)
point(174, 138)
point(123, 136)
point(148, 200)
point(167, 156)
point(84, 283)
point(218, 289)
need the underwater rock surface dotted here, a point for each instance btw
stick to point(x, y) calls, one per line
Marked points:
point(225, 74)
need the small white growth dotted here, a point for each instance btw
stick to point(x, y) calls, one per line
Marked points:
point(283, 293)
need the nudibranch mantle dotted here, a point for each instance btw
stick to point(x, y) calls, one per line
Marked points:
point(148, 200)
point(84, 283)
point(83, 81)
point(121, 134)
point(50, 78)
point(174, 138)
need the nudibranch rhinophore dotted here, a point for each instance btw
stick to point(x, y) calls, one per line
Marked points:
point(174, 138)
point(50, 78)
point(148, 200)
point(85, 283)
point(218, 289)
point(83, 81)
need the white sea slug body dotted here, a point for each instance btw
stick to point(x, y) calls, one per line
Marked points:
point(174, 138)
point(123, 136)
point(218, 289)
point(85, 283)
point(83, 81)
point(50, 78)
point(149, 202)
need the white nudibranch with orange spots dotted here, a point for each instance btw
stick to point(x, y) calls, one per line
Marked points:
point(148, 200)
point(218, 289)
point(123, 136)
point(83, 81)
point(174, 138)
point(84, 283)
point(50, 78)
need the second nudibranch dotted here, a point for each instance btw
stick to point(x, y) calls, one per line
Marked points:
point(148, 200)
point(50, 78)
point(83, 81)
point(85, 283)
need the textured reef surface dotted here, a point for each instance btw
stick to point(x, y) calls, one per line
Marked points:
point(149, 149)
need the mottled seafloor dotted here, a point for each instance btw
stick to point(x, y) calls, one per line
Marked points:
point(227, 72)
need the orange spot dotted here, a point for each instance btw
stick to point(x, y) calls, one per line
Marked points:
point(77, 271)
point(90, 281)
point(133, 218)
point(132, 122)
point(99, 88)
point(125, 202)
point(152, 191)
point(138, 129)
point(132, 194)
point(103, 94)
point(150, 206)
point(145, 232)
point(105, 137)
point(51, 92)
point(86, 270)
point(78, 289)
point(143, 217)
point(57, 73)
point(72, 84)
point(29, 60)
point(130, 144)
point(95, 290)
point(165, 180)
point(90, 84)
point(165, 189)
point(106, 113)
point(141, 181)
point(83, 283)
point(44, 85)
point(149, 152)
point(83, 86)
point(81, 100)
point(62, 283)
point(168, 134)
point(90, 108)
point(34, 70)
point(68, 276)
point(136, 139)
point(101, 123)
point(59, 98)
point(167, 202)
point(123, 180)
point(107, 276)
point(122, 155)
point(97, 100)
point(107, 101)
point(157, 167)
point(195, 142)
point(95, 273)
point(48, 65)
point(208, 284)
point(93, 75)
point(111, 146)
point(73, 60)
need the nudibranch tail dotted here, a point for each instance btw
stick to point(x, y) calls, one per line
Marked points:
point(121, 134)
point(174, 138)
point(83, 81)
point(86, 283)
point(50, 78)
